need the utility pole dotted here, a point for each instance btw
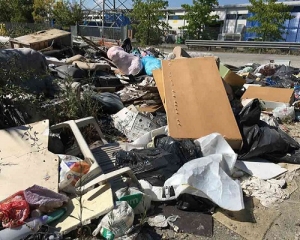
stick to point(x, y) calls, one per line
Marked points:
point(103, 8)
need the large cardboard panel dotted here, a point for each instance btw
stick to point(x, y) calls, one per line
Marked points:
point(25, 159)
point(158, 77)
point(196, 100)
point(282, 95)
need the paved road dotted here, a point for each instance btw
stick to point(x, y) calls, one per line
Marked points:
point(238, 59)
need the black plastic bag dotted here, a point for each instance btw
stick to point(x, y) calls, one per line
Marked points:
point(262, 140)
point(111, 103)
point(126, 45)
point(186, 150)
point(152, 164)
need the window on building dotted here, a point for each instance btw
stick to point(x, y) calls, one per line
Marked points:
point(242, 16)
point(231, 16)
point(175, 17)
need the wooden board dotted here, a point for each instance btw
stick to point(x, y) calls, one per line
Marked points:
point(25, 159)
point(41, 36)
point(94, 204)
point(283, 95)
point(196, 100)
point(158, 77)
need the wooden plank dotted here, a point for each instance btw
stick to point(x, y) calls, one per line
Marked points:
point(196, 100)
point(41, 36)
point(158, 77)
point(282, 95)
point(25, 159)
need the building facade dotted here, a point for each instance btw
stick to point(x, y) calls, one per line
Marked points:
point(233, 22)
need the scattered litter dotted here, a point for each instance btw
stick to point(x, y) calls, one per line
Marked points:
point(269, 192)
point(139, 201)
point(176, 124)
point(161, 221)
point(132, 123)
point(117, 222)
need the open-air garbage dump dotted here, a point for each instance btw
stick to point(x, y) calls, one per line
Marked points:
point(114, 141)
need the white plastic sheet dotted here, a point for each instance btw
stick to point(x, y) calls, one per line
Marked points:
point(207, 177)
point(216, 144)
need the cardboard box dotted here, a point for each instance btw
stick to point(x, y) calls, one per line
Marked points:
point(196, 101)
point(230, 77)
point(270, 94)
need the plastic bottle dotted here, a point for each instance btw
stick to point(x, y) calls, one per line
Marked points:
point(28, 228)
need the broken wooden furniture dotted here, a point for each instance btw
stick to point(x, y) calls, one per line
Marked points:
point(103, 168)
point(43, 39)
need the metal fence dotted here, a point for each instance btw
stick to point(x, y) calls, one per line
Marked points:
point(96, 31)
point(243, 44)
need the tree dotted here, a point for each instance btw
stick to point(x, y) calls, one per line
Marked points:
point(199, 17)
point(146, 17)
point(16, 11)
point(21, 10)
point(271, 16)
point(67, 14)
point(42, 10)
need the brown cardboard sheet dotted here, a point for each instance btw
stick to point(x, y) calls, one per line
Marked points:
point(196, 100)
point(282, 95)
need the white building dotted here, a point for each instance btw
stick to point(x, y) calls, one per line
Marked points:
point(233, 21)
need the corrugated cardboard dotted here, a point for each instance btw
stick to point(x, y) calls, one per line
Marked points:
point(230, 77)
point(196, 100)
point(282, 95)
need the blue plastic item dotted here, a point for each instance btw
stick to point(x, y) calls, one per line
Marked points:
point(151, 63)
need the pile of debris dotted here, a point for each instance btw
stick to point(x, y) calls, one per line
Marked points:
point(196, 135)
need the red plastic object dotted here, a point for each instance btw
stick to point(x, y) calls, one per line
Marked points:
point(14, 210)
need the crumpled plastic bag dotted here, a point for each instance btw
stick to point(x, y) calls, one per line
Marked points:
point(206, 177)
point(117, 222)
point(262, 140)
point(151, 164)
point(71, 170)
point(127, 63)
point(44, 199)
point(14, 210)
point(110, 103)
point(185, 149)
point(284, 113)
point(139, 201)
point(151, 63)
